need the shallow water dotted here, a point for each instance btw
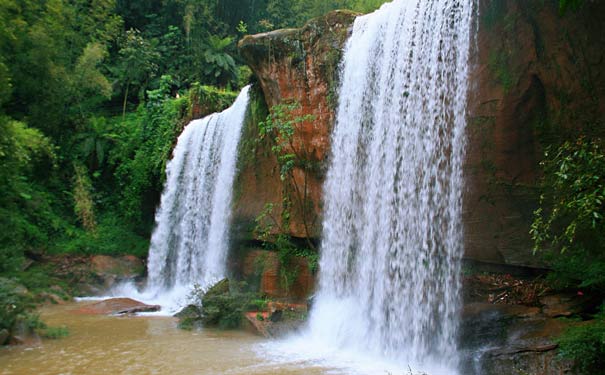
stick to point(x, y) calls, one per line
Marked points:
point(144, 345)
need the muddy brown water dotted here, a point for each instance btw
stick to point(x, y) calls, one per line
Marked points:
point(100, 344)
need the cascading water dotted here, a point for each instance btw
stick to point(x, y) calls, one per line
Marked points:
point(190, 242)
point(392, 237)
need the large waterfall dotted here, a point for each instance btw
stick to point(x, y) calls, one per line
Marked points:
point(190, 242)
point(392, 237)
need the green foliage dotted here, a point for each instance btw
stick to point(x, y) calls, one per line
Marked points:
point(565, 5)
point(111, 237)
point(284, 245)
point(83, 203)
point(26, 217)
point(280, 126)
point(498, 64)
point(584, 344)
point(223, 305)
point(218, 65)
point(15, 305)
point(569, 223)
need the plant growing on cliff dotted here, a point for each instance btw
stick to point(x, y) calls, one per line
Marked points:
point(286, 248)
point(565, 5)
point(295, 161)
point(569, 223)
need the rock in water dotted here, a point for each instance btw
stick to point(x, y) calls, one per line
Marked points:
point(115, 306)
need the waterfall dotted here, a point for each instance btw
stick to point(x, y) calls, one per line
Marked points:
point(392, 237)
point(190, 241)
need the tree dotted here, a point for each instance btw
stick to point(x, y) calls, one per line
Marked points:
point(569, 224)
point(137, 63)
point(219, 67)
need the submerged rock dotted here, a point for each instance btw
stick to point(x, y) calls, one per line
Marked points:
point(117, 306)
point(280, 319)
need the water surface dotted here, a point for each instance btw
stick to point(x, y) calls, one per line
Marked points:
point(143, 345)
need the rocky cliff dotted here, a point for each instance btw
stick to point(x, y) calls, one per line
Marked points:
point(535, 75)
point(297, 66)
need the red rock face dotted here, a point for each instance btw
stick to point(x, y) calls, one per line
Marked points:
point(265, 266)
point(296, 65)
point(535, 75)
point(529, 85)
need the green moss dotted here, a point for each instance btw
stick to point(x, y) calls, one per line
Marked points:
point(498, 64)
point(584, 344)
point(209, 99)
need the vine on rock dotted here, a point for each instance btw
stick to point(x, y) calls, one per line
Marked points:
point(292, 156)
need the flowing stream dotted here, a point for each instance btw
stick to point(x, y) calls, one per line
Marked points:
point(392, 238)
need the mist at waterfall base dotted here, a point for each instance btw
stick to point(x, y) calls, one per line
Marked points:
point(389, 284)
point(190, 242)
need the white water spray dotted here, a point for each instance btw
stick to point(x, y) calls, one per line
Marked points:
point(392, 236)
point(190, 242)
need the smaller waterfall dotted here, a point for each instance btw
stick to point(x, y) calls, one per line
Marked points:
point(190, 242)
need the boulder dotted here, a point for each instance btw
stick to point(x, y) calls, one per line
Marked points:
point(117, 306)
point(51, 298)
point(564, 304)
point(280, 319)
point(126, 266)
point(111, 270)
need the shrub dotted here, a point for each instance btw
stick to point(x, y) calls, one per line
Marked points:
point(569, 223)
point(222, 306)
point(585, 345)
point(16, 306)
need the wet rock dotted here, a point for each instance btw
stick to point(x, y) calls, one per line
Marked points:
point(16, 340)
point(262, 269)
point(222, 287)
point(51, 298)
point(520, 67)
point(3, 336)
point(559, 305)
point(280, 319)
point(499, 338)
point(117, 306)
point(111, 270)
point(127, 266)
